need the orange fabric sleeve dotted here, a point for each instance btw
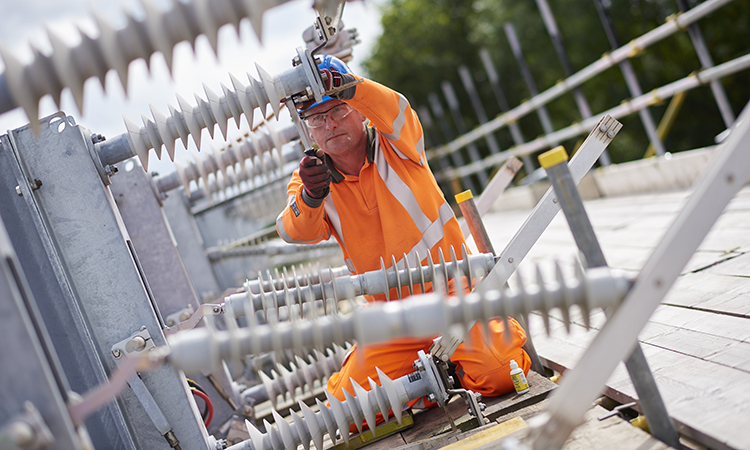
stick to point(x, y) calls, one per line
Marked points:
point(299, 223)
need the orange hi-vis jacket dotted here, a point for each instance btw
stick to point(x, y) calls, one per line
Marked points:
point(395, 207)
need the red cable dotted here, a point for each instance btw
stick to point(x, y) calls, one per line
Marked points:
point(208, 403)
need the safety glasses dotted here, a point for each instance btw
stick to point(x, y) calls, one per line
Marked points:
point(336, 113)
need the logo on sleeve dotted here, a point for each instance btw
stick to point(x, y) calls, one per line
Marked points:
point(295, 209)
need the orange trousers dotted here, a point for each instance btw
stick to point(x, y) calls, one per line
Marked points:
point(483, 365)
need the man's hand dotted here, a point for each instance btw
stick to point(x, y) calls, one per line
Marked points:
point(316, 177)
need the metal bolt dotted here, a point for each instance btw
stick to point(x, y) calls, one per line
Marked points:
point(331, 30)
point(143, 328)
point(432, 398)
point(450, 380)
point(510, 260)
point(554, 200)
point(96, 138)
point(36, 184)
point(111, 170)
point(610, 134)
point(18, 191)
point(136, 344)
point(116, 353)
point(296, 61)
point(170, 322)
point(328, 20)
point(602, 128)
point(217, 309)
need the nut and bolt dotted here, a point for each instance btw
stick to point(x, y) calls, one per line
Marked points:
point(116, 353)
point(610, 134)
point(432, 398)
point(170, 322)
point(510, 260)
point(554, 200)
point(111, 170)
point(418, 365)
point(602, 128)
point(136, 344)
point(296, 61)
point(217, 309)
point(36, 184)
point(96, 138)
point(19, 191)
point(328, 20)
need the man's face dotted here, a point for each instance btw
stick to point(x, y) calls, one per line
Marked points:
point(340, 127)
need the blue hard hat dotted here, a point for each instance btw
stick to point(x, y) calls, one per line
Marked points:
point(330, 63)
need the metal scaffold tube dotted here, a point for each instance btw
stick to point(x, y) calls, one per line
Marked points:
point(676, 23)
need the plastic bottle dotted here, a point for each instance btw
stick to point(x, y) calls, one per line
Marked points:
point(519, 379)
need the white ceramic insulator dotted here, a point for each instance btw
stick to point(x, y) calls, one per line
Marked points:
point(317, 367)
point(189, 120)
point(335, 417)
point(159, 31)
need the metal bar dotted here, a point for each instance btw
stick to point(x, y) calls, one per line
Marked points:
point(631, 80)
point(617, 338)
point(548, 206)
point(652, 404)
point(554, 32)
point(667, 120)
point(704, 56)
point(625, 108)
point(629, 50)
point(455, 110)
point(515, 130)
point(476, 103)
point(456, 158)
point(515, 46)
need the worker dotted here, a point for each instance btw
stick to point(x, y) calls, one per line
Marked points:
point(370, 187)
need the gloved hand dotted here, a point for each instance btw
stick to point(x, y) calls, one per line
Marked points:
point(333, 79)
point(316, 177)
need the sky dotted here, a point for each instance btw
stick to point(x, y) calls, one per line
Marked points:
point(25, 22)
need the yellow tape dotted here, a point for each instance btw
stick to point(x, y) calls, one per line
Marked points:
point(489, 435)
point(553, 157)
point(463, 196)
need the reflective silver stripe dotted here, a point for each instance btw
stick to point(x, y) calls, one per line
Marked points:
point(420, 149)
point(432, 235)
point(400, 190)
point(333, 218)
point(400, 120)
point(350, 266)
point(285, 236)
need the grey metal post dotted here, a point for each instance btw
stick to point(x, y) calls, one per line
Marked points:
point(455, 109)
point(30, 373)
point(515, 46)
point(456, 158)
point(476, 103)
point(502, 101)
point(630, 79)
point(583, 233)
point(189, 241)
point(50, 286)
point(554, 33)
point(82, 227)
point(704, 56)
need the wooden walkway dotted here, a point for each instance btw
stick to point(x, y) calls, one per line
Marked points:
point(698, 341)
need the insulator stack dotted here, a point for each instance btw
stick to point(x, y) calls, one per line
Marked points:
point(417, 316)
point(247, 157)
point(313, 276)
point(158, 31)
point(336, 417)
point(316, 368)
point(370, 283)
point(217, 109)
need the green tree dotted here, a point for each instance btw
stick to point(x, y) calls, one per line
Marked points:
point(424, 42)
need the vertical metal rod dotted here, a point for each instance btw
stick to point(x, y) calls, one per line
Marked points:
point(455, 109)
point(515, 46)
point(476, 103)
point(634, 87)
point(502, 101)
point(473, 219)
point(583, 106)
point(555, 163)
point(456, 158)
point(704, 56)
